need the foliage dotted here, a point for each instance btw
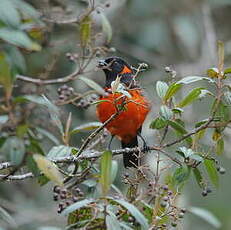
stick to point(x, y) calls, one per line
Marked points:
point(40, 140)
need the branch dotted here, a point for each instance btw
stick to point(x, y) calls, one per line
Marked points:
point(65, 79)
point(17, 177)
point(5, 165)
point(205, 126)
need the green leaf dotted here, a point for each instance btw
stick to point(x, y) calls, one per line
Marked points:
point(9, 14)
point(107, 29)
point(124, 226)
point(93, 85)
point(212, 171)
point(186, 152)
point(16, 59)
point(189, 80)
point(52, 109)
point(158, 123)
point(220, 146)
point(200, 123)
point(177, 110)
point(85, 31)
point(26, 9)
point(166, 112)
point(212, 72)
point(18, 38)
point(179, 128)
point(227, 71)
point(48, 168)
point(32, 166)
point(181, 175)
point(86, 127)
point(105, 171)
point(112, 223)
point(48, 135)
point(205, 215)
point(192, 96)
point(48, 228)
point(42, 180)
point(140, 218)
point(172, 90)
point(21, 130)
point(114, 170)
point(198, 176)
point(59, 151)
point(6, 78)
point(77, 205)
point(161, 88)
point(3, 119)
point(15, 150)
point(34, 146)
point(227, 96)
point(4, 215)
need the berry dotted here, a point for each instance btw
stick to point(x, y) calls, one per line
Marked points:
point(204, 193)
point(163, 204)
point(183, 210)
point(222, 170)
point(174, 224)
point(165, 187)
point(75, 199)
point(55, 197)
point(181, 215)
point(56, 189)
point(165, 198)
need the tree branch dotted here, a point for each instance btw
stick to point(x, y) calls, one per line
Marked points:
point(65, 79)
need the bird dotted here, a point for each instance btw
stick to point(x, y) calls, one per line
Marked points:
point(127, 125)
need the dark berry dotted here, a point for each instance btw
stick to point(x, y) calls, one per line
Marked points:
point(165, 187)
point(130, 219)
point(59, 210)
point(107, 4)
point(204, 193)
point(163, 204)
point(183, 210)
point(75, 199)
point(174, 224)
point(181, 215)
point(170, 193)
point(165, 198)
point(209, 190)
point(68, 203)
point(55, 197)
point(126, 175)
point(81, 193)
point(63, 196)
point(222, 170)
point(56, 189)
point(62, 97)
point(77, 190)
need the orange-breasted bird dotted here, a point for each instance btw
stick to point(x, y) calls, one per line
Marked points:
point(127, 125)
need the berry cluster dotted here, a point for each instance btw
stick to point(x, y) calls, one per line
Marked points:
point(87, 101)
point(65, 92)
point(72, 56)
point(167, 200)
point(66, 197)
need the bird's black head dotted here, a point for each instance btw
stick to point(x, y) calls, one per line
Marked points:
point(114, 66)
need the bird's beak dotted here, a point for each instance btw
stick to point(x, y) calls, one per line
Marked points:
point(101, 64)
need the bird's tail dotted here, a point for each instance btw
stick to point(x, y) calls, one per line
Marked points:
point(130, 159)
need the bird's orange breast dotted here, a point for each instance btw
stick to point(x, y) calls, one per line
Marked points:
point(126, 125)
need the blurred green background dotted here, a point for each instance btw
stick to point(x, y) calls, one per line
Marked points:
point(181, 34)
